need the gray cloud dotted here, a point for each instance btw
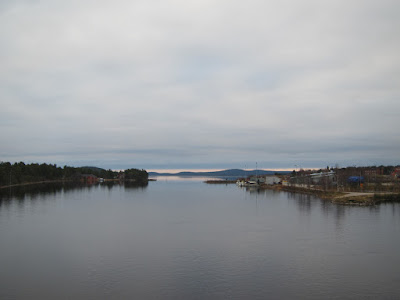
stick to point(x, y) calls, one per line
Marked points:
point(213, 84)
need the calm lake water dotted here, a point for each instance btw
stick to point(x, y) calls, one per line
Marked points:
point(184, 239)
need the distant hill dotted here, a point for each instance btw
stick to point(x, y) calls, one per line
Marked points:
point(223, 173)
point(94, 169)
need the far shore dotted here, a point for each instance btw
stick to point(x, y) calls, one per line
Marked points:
point(35, 182)
point(344, 198)
point(218, 181)
point(52, 181)
point(337, 197)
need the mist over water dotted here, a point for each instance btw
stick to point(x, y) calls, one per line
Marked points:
point(179, 238)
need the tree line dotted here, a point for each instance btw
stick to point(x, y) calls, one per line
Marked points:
point(139, 176)
point(20, 172)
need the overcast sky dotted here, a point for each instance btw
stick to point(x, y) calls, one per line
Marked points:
point(200, 84)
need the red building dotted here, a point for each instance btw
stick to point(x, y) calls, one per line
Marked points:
point(396, 172)
point(88, 178)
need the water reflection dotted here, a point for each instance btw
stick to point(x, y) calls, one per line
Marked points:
point(43, 190)
point(133, 185)
point(253, 190)
point(304, 202)
point(186, 239)
point(309, 206)
point(33, 190)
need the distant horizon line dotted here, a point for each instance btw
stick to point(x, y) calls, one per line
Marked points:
point(173, 171)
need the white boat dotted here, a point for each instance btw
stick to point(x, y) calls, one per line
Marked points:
point(251, 183)
point(246, 183)
point(240, 182)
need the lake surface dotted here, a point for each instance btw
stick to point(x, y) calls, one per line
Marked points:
point(183, 239)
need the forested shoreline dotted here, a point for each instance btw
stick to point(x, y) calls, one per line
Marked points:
point(21, 173)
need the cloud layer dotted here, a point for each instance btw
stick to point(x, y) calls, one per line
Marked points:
point(194, 84)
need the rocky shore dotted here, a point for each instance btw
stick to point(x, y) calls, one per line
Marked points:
point(220, 181)
point(343, 198)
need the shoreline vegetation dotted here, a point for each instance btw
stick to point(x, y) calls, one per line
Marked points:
point(374, 185)
point(343, 198)
point(353, 185)
point(21, 174)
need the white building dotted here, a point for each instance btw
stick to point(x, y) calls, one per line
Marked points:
point(272, 179)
